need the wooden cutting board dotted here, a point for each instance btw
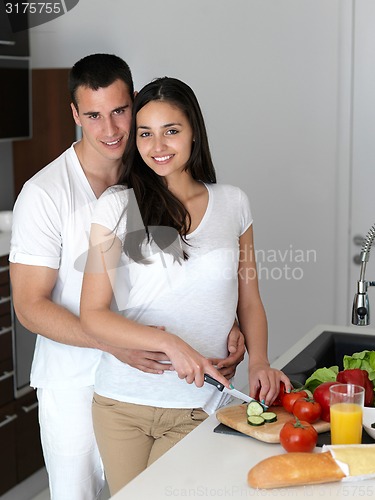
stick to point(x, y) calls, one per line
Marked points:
point(235, 417)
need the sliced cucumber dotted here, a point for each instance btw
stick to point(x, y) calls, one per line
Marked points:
point(269, 416)
point(255, 420)
point(254, 408)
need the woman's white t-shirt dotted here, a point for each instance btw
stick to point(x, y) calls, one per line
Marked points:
point(195, 299)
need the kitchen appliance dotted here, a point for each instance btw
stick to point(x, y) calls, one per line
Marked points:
point(15, 102)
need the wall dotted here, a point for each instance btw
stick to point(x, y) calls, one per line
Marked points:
point(268, 76)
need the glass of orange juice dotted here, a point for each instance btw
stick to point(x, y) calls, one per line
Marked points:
point(346, 409)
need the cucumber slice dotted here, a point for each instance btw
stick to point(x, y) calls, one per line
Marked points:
point(254, 408)
point(269, 416)
point(255, 420)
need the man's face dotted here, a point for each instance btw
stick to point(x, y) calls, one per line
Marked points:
point(105, 116)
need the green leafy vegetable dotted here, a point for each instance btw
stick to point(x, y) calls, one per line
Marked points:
point(321, 375)
point(364, 360)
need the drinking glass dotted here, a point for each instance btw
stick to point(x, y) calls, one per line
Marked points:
point(346, 410)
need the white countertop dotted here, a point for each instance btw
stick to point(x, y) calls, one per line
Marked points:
point(4, 243)
point(211, 465)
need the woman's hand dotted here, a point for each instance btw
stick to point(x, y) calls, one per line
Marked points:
point(189, 364)
point(265, 382)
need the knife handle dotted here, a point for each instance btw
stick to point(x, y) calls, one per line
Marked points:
point(213, 381)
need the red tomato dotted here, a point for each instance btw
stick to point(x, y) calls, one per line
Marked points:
point(307, 409)
point(321, 396)
point(279, 397)
point(290, 398)
point(278, 400)
point(298, 436)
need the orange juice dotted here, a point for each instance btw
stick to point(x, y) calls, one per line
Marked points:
point(346, 423)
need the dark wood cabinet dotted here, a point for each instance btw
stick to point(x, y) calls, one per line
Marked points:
point(53, 127)
point(8, 452)
point(20, 448)
point(20, 451)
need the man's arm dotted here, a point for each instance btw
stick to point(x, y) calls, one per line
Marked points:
point(31, 292)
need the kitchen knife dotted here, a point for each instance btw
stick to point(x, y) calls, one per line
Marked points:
point(232, 392)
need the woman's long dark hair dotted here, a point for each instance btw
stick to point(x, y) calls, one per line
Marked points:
point(158, 206)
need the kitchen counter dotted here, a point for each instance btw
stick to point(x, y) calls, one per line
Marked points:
point(206, 464)
point(4, 243)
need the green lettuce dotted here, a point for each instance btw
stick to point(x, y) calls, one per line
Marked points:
point(364, 360)
point(321, 375)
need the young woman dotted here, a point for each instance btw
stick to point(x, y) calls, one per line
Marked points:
point(173, 249)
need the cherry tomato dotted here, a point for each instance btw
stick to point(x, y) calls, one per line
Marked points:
point(298, 436)
point(290, 398)
point(307, 409)
point(321, 395)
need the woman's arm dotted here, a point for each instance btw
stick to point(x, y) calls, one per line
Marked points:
point(253, 324)
point(105, 325)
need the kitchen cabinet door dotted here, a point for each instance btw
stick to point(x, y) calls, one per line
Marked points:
point(8, 457)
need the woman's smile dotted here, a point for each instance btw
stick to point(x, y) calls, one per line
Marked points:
point(162, 159)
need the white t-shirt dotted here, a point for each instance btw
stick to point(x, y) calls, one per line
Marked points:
point(194, 299)
point(51, 224)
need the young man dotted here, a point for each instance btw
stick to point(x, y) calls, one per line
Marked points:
point(51, 222)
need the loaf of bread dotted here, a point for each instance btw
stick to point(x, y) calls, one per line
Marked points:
point(292, 469)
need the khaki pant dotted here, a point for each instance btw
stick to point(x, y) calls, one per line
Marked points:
point(130, 437)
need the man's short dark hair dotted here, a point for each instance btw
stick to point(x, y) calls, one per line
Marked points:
point(97, 71)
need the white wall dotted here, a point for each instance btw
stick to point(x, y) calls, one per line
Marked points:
point(268, 75)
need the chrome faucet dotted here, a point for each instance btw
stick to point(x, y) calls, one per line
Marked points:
point(361, 306)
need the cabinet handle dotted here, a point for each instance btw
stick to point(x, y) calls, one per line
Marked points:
point(8, 420)
point(4, 268)
point(6, 375)
point(5, 329)
point(4, 299)
point(30, 408)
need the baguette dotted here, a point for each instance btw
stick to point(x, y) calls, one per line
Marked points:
point(293, 469)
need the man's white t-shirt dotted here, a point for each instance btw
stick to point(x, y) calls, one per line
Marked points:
point(51, 226)
point(195, 299)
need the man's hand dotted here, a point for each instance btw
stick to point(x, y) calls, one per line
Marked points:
point(146, 361)
point(236, 349)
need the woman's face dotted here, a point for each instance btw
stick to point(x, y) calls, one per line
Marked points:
point(164, 138)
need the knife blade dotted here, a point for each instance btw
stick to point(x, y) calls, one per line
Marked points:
point(232, 392)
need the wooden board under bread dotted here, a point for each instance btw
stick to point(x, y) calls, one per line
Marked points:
point(235, 417)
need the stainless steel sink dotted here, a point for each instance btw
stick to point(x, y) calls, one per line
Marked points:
point(326, 350)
